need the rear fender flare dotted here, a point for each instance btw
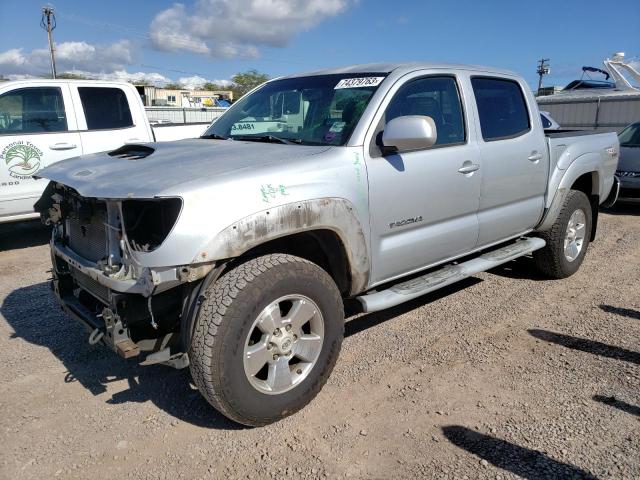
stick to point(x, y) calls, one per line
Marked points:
point(584, 164)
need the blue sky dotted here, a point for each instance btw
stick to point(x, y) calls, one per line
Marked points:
point(215, 39)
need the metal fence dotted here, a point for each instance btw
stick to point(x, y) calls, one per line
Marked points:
point(602, 114)
point(183, 115)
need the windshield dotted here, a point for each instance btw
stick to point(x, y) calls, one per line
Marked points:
point(314, 110)
point(630, 136)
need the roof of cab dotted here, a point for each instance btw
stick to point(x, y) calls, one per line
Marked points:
point(61, 81)
point(399, 68)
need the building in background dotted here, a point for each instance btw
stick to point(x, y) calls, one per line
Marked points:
point(184, 98)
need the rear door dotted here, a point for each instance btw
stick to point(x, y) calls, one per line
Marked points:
point(108, 117)
point(37, 129)
point(514, 159)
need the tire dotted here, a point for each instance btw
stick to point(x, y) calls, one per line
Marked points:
point(234, 321)
point(552, 260)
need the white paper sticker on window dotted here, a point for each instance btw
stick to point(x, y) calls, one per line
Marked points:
point(359, 82)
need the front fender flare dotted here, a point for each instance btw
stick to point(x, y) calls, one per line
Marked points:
point(335, 214)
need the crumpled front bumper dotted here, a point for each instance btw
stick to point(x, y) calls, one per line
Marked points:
point(119, 312)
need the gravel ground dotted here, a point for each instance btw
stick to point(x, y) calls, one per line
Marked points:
point(504, 375)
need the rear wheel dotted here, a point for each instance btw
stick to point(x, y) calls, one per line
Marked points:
point(568, 238)
point(266, 338)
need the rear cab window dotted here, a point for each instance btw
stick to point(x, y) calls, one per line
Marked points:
point(32, 110)
point(502, 108)
point(105, 108)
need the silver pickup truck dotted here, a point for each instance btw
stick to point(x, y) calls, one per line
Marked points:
point(233, 253)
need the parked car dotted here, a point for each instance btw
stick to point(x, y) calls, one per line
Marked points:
point(45, 121)
point(233, 253)
point(629, 164)
point(548, 123)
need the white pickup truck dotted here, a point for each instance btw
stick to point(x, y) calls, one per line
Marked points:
point(45, 121)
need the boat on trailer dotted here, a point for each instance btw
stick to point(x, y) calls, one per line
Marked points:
point(604, 105)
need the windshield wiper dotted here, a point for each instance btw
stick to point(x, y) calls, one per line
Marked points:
point(214, 136)
point(268, 138)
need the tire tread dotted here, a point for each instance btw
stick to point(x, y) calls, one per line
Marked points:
point(214, 315)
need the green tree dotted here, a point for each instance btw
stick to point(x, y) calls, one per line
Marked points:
point(174, 86)
point(212, 86)
point(72, 76)
point(245, 81)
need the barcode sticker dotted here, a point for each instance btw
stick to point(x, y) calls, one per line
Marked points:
point(359, 82)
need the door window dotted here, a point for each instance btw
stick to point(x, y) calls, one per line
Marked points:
point(502, 108)
point(545, 121)
point(436, 97)
point(32, 110)
point(105, 108)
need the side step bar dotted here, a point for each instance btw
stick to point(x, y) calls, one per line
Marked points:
point(416, 287)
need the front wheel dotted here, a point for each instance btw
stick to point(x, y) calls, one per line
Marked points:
point(567, 239)
point(267, 337)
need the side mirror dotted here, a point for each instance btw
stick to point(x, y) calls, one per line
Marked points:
point(410, 132)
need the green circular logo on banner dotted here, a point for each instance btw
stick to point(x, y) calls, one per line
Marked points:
point(22, 159)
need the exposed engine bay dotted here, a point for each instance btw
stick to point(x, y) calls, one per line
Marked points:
point(99, 279)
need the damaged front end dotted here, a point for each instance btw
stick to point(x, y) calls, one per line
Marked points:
point(98, 248)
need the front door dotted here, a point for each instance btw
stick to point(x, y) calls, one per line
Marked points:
point(423, 204)
point(36, 130)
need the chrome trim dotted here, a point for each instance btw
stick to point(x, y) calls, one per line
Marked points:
point(613, 194)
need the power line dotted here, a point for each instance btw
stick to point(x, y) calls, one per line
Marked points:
point(48, 22)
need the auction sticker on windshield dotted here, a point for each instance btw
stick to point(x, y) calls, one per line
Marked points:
point(359, 82)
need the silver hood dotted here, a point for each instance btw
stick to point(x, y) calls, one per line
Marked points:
point(158, 168)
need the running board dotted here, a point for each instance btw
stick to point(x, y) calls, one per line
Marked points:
point(416, 287)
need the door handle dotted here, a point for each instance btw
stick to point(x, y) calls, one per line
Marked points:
point(534, 157)
point(469, 168)
point(63, 146)
point(132, 140)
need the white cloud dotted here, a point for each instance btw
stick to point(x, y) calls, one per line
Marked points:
point(195, 82)
point(69, 56)
point(153, 78)
point(236, 28)
point(103, 62)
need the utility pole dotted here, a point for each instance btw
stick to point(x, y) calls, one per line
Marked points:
point(48, 22)
point(543, 69)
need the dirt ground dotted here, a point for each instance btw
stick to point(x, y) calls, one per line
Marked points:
point(505, 375)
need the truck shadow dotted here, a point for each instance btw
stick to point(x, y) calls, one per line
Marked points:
point(623, 208)
point(35, 317)
point(26, 234)
point(356, 322)
point(521, 268)
point(522, 461)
